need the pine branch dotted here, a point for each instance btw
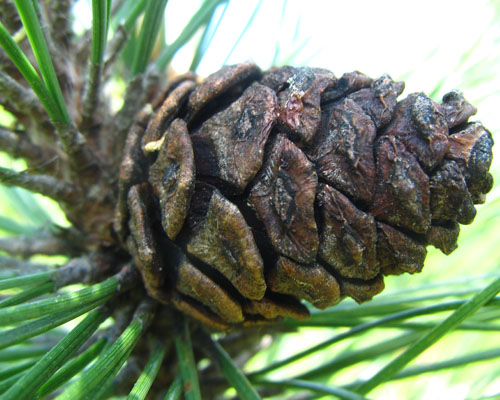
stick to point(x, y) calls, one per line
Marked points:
point(77, 270)
point(18, 267)
point(19, 146)
point(93, 83)
point(9, 15)
point(43, 184)
point(115, 46)
point(91, 97)
point(21, 98)
point(96, 294)
point(43, 243)
point(136, 96)
point(86, 270)
point(48, 89)
point(60, 25)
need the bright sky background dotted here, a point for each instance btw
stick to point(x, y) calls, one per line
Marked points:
point(423, 39)
point(394, 36)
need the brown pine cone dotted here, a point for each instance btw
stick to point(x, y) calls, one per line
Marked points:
point(243, 194)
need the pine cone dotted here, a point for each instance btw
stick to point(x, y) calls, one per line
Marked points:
point(247, 192)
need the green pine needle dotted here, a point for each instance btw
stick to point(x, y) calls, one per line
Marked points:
point(108, 364)
point(28, 71)
point(451, 363)
point(128, 13)
point(7, 383)
point(40, 50)
point(10, 372)
point(71, 368)
point(200, 18)
point(98, 293)
point(10, 226)
point(27, 294)
point(187, 365)
point(207, 37)
point(25, 204)
point(25, 387)
point(245, 29)
point(316, 388)
point(22, 352)
point(99, 29)
point(175, 390)
point(26, 280)
point(450, 323)
point(417, 311)
point(147, 377)
point(41, 325)
point(149, 33)
point(363, 354)
point(231, 372)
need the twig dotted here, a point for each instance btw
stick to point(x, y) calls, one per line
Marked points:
point(86, 270)
point(25, 105)
point(21, 267)
point(115, 6)
point(10, 17)
point(22, 99)
point(60, 26)
point(93, 83)
point(115, 46)
point(17, 145)
point(91, 97)
point(43, 184)
point(26, 246)
point(138, 92)
point(134, 98)
point(83, 163)
point(62, 64)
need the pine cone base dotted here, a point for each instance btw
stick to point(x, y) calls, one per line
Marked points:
point(246, 193)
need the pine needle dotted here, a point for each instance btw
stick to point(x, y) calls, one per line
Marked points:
point(108, 364)
point(464, 311)
point(184, 349)
point(145, 380)
point(231, 372)
point(56, 357)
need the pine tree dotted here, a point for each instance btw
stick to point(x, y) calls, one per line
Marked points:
point(205, 211)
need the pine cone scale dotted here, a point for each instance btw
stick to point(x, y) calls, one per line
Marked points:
point(230, 144)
